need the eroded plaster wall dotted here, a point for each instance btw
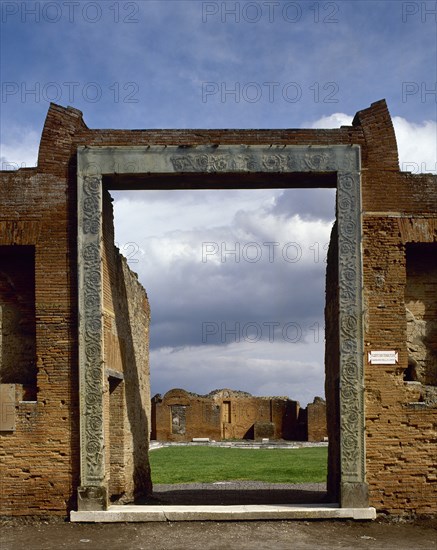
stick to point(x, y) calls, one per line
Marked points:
point(421, 311)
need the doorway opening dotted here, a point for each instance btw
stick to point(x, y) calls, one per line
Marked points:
point(236, 288)
point(18, 320)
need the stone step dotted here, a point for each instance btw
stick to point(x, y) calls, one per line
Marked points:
point(132, 513)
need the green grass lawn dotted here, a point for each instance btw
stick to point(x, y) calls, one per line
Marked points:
point(207, 464)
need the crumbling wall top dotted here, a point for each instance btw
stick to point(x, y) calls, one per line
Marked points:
point(380, 136)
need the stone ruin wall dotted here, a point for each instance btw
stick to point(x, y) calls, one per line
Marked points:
point(39, 460)
point(126, 321)
point(316, 420)
point(228, 414)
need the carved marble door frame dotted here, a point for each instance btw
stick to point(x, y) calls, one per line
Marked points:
point(96, 162)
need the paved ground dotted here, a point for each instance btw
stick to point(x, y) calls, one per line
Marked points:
point(296, 535)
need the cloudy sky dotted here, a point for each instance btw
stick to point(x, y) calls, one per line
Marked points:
point(235, 278)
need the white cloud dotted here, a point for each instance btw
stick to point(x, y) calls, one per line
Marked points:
point(20, 148)
point(333, 121)
point(161, 212)
point(417, 142)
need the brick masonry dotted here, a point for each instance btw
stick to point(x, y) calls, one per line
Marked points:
point(180, 415)
point(316, 420)
point(40, 459)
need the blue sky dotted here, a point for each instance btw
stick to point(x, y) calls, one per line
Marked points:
point(174, 64)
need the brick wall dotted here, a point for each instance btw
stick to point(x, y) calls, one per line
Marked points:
point(316, 420)
point(228, 414)
point(38, 474)
point(401, 429)
point(222, 414)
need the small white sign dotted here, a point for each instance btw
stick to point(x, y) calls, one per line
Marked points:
point(383, 357)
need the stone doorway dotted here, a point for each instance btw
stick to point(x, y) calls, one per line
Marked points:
point(173, 167)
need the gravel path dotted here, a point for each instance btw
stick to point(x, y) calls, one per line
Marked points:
point(241, 492)
point(259, 535)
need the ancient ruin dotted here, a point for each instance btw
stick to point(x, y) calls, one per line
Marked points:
point(223, 414)
point(75, 403)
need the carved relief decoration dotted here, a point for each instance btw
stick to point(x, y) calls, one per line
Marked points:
point(350, 326)
point(252, 160)
point(91, 355)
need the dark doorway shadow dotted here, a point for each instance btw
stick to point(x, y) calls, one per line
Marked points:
point(249, 492)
